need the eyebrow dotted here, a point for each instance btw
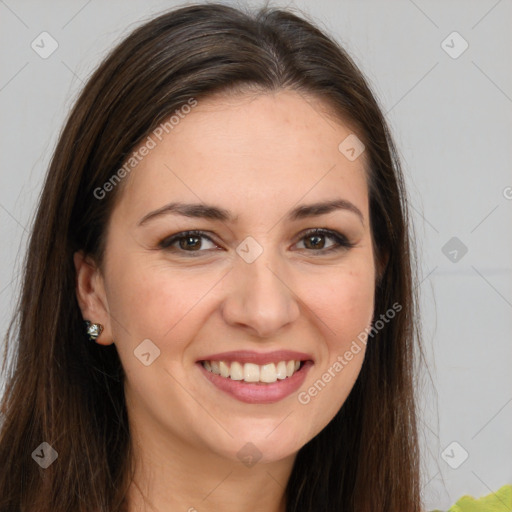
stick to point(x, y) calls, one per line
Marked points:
point(205, 211)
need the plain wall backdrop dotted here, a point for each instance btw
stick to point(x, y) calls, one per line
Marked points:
point(442, 73)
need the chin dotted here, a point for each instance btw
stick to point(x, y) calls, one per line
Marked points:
point(261, 446)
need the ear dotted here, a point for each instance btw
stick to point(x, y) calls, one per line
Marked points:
point(91, 296)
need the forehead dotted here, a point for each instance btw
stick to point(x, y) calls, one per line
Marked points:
point(248, 151)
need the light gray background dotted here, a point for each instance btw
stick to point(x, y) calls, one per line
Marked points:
point(452, 121)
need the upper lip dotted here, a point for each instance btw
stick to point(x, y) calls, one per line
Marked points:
point(260, 358)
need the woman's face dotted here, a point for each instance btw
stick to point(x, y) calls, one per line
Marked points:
point(254, 289)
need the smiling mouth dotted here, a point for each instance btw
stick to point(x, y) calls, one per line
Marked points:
point(254, 373)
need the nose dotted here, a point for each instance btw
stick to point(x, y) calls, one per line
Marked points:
point(259, 298)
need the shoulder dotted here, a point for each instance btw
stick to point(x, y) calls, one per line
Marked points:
point(499, 501)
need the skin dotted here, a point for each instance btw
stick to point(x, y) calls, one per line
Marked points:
point(259, 156)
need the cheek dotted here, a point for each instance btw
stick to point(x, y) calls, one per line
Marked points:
point(345, 308)
point(343, 301)
point(149, 301)
point(151, 292)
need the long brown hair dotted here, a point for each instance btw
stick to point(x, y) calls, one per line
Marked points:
point(68, 392)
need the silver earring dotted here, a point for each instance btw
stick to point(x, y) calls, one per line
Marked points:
point(93, 330)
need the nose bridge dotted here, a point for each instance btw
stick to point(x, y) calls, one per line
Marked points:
point(259, 298)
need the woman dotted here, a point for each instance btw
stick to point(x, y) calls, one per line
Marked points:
point(218, 308)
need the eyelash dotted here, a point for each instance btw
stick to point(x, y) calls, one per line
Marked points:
point(341, 240)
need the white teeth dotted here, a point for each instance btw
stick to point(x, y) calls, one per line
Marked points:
point(236, 371)
point(290, 368)
point(224, 369)
point(268, 373)
point(215, 367)
point(250, 372)
point(281, 370)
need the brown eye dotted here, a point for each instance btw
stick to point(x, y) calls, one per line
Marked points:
point(190, 242)
point(315, 241)
point(186, 241)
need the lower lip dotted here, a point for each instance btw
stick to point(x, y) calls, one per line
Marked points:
point(257, 392)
